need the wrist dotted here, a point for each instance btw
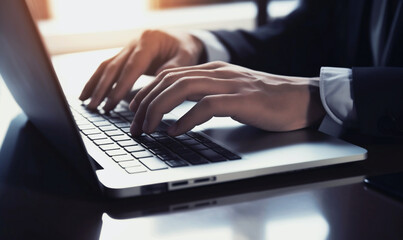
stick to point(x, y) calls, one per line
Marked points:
point(316, 111)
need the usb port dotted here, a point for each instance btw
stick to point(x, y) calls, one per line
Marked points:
point(200, 180)
point(181, 183)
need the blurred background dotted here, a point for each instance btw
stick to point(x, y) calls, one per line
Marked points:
point(82, 25)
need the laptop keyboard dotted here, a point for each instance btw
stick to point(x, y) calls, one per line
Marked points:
point(148, 152)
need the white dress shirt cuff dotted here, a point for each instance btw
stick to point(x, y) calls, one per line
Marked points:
point(215, 50)
point(335, 93)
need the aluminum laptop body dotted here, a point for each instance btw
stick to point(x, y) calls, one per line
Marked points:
point(27, 71)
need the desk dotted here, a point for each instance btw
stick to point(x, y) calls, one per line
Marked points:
point(42, 198)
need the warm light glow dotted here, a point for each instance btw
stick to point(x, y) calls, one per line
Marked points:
point(103, 13)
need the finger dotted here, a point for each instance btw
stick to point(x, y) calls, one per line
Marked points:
point(153, 108)
point(167, 77)
point(135, 66)
point(210, 106)
point(181, 59)
point(108, 77)
point(92, 83)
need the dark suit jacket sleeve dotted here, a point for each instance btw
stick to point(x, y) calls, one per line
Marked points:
point(378, 98)
point(296, 45)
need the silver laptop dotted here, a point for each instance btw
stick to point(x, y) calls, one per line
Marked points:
point(100, 147)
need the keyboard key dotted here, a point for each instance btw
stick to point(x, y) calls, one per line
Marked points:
point(127, 143)
point(158, 134)
point(112, 153)
point(97, 136)
point(167, 156)
point(198, 137)
point(116, 121)
point(212, 155)
point(126, 129)
point(82, 122)
point(107, 147)
point(136, 169)
point(190, 142)
point(132, 163)
point(182, 150)
point(194, 159)
point(114, 133)
point(127, 114)
point(226, 153)
point(87, 114)
point(96, 119)
point(103, 141)
point(134, 148)
point(119, 108)
point(144, 139)
point(176, 163)
point(102, 123)
point(122, 125)
point(123, 158)
point(212, 145)
point(111, 115)
point(153, 163)
point(198, 147)
point(141, 154)
point(121, 138)
point(183, 137)
point(108, 128)
point(91, 131)
point(85, 126)
point(232, 156)
point(160, 150)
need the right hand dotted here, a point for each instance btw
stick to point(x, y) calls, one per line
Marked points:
point(150, 54)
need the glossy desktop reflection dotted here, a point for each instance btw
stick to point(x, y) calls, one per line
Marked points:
point(290, 213)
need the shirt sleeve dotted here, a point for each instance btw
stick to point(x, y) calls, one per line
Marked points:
point(334, 85)
point(336, 94)
point(214, 48)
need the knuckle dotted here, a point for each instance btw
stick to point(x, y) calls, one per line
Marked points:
point(104, 64)
point(209, 102)
point(183, 83)
point(164, 72)
point(151, 34)
point(218, 64)
point(111, 68)
point(152, 109)
point(147, 33)
point(170, 78)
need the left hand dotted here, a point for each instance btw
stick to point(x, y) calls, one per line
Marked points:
point(267, 101)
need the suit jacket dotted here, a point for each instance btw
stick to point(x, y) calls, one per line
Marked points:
point(332, 33)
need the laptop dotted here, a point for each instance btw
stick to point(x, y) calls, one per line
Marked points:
point(101, 149)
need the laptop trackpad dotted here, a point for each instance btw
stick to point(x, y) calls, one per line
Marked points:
point(242, 138)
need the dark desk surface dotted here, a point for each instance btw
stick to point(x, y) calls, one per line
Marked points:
point(42, 198)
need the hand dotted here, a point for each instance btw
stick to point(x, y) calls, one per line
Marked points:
point(267, 101)
point(152, 53)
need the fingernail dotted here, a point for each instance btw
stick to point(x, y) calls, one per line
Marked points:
point(133, 106)
point(146, 126)
point(91, 105)
point(172, 129)
point(108, 105)
point(134, 130)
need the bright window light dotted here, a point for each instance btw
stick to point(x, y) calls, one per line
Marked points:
point(312, 227)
